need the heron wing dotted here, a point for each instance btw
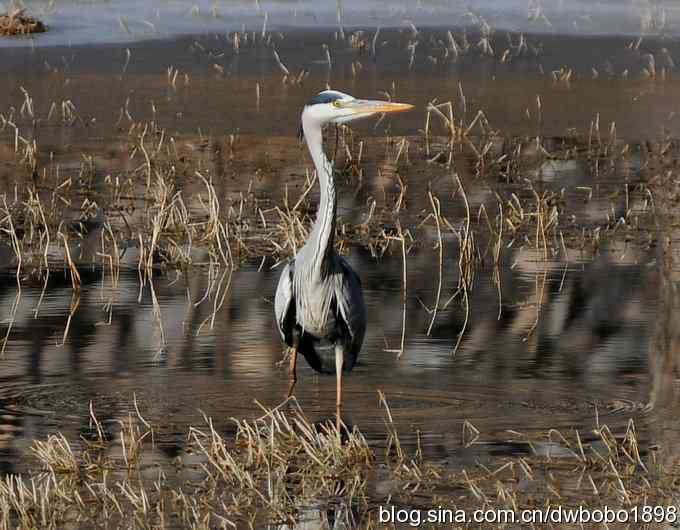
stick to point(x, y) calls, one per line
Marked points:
point(350, 302)
point(283, 301)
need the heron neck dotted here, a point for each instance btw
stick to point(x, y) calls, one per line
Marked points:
point(323, 232)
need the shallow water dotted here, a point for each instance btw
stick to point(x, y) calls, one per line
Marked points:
point(545, 348)
point(593, 339)
point(126, 21)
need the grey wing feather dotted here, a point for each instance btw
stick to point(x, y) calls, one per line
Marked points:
point(350, 300)
point(284, 296)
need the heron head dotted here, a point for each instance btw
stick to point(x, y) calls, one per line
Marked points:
point(331, 106)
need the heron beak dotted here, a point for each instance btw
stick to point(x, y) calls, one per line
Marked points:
point(367, 106)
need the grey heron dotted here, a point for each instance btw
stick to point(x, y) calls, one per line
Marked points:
point(319, 303)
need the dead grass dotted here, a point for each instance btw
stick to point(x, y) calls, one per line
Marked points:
point(17, 22)
point(280, 467)
point(169, 203)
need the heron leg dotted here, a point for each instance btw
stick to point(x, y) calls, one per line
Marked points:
point(292, 370)
point(339, 360)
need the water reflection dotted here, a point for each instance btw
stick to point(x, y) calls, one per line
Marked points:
point(590, 332)
point(339, 517)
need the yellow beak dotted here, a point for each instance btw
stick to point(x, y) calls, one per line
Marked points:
point(367, 106)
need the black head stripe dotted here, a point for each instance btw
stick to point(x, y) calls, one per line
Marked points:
point(325, 97)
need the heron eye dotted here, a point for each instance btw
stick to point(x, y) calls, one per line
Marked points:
point(337, 104)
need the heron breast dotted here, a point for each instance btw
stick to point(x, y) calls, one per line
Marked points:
point(315, 302)
point(316, 319)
